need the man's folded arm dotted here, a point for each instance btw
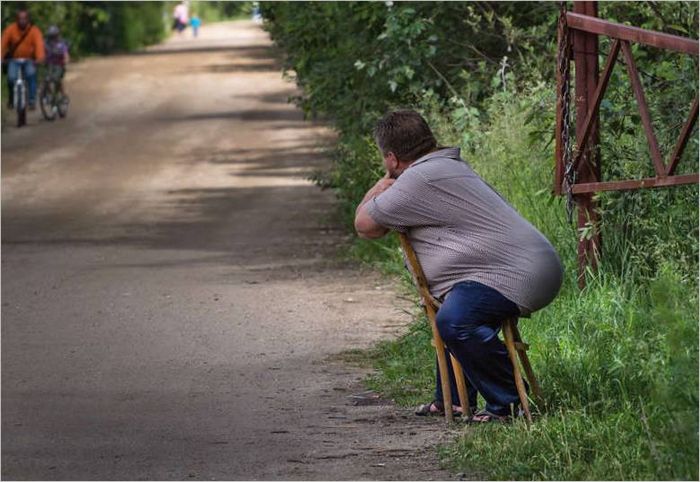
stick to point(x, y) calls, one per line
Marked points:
point(366, 227)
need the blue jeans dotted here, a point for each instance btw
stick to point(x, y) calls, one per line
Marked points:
point(29, 72)
point(469, 321)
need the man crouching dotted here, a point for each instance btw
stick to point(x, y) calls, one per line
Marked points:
point(481, 259)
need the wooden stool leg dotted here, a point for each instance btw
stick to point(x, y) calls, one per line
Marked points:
point(430, 309)
point(442, 364)
point(519, 384)
point(536, 390)
point(461, 387)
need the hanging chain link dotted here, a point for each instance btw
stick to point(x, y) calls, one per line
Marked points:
point(564, 63)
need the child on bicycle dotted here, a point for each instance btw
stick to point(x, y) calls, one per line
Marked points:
point(56, 56)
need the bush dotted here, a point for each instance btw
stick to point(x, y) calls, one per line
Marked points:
point(215, 11)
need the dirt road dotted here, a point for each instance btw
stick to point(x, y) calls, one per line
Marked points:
point(172, 296)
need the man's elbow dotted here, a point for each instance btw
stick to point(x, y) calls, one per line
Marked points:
point(369, 234)
point(361, 229)
point(368, 230)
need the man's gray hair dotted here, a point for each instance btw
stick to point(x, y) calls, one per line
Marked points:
point(406, 134)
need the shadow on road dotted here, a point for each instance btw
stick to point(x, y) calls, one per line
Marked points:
point(271, 215)
point(234, 68)
point(263, 115)
point(250, 51)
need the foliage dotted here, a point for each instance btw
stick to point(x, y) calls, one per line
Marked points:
point(97, 27)
point(215, 11)
point(369, 57)
point(393, 53)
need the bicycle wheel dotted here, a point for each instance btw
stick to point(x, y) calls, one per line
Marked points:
point(63, 103)
point(21, 105)
point(21, 117)
point(46, 102)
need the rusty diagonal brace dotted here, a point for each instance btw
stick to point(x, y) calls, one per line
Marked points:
point(600, 90)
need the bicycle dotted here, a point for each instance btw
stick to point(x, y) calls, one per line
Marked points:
point(51, 99)
point(19, 93)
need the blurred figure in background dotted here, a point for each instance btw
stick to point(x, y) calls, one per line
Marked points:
point(56, 56)
point(195, 23)
point(22, 40)
point(180, 17)
point(257, 17)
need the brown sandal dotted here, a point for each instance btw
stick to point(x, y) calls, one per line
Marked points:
point(484, 416)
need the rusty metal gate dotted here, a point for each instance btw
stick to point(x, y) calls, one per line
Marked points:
point(578, 168)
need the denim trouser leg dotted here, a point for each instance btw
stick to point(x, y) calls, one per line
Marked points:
point(29, 71)
point(469, 321)
point(471, 391)
point(30, 75)
point(12, 72)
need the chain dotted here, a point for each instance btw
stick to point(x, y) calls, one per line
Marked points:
point(564, 61)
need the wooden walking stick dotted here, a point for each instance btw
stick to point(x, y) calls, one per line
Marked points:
point(522, 352)
point(509, 339)
point(431, 306)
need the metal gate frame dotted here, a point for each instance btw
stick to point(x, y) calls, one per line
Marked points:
point(589, 90)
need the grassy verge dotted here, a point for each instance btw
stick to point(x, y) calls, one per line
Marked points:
point(618, 365)
point(618, 361)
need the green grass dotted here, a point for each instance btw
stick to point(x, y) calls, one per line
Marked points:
point(405, 366)
point(618, 366)
point(619, 372)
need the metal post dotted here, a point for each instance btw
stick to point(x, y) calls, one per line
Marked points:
point(585, 47)
point(559, 147)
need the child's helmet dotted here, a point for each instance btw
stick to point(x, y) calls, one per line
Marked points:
point(53, 31)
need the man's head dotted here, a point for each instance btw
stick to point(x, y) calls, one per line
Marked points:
point(22, 18)
point(403, 136)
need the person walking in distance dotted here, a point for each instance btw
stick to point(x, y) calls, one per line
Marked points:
point(180, 17)
point(481, 258)
point(195, 23)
